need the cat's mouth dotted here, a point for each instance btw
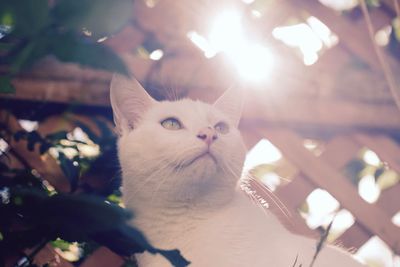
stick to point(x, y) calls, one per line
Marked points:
point(203, 155)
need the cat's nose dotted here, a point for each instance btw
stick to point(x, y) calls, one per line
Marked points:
point(208, 135)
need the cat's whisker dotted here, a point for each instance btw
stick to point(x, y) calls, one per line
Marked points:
point(282, 207)
point(175, 92)
point(256, 199)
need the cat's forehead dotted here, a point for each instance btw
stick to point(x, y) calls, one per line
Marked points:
point(186, 109)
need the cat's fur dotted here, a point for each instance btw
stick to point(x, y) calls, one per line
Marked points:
point(192, 204)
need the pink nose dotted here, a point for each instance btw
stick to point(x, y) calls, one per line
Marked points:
point(208, 135)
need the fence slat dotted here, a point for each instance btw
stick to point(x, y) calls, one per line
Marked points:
point(355, 236)
point(389, 200)
point(339, 151)
point(103, 257)
point(293, 194)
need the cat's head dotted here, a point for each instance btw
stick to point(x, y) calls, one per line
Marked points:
point(182, 149)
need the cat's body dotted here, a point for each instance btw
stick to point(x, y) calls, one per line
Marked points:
point(237, 235)
point(181, 162)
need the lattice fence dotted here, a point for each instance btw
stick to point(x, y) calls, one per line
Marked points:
point(327, 170)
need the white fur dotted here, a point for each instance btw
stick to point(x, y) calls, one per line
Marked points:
point(197, 207)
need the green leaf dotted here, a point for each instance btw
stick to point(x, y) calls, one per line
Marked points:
point(5, 85)
point(100, 17)
point(70, 48)
point(396, 27)
point(61, 244)
point(6, 17)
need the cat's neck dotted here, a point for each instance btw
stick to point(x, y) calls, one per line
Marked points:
point(201, 199)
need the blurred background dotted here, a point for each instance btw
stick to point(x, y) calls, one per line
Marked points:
point(321, 119)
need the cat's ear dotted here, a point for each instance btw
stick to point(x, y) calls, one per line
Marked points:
point(129, 100)
point(231, 104)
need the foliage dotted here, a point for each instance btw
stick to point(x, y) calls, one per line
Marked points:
point(34, 214)
point(68, 30)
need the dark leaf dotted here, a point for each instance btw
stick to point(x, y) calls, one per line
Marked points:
point(93, 215)
point(100, 17)
point(127, 240)
point(353, 169)
point(44, 147)
point(81, 218)
point(379, 172)
point(33, 138)
point(20, 134)
point(174, 256)
point(106, 133)
point(3, 167)
point(57, 136)
point(5, 47)
point(26, 55)
point(5, 85)
point(69, 169)
point(70, 48)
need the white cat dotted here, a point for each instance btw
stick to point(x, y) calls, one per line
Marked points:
point(181, 162)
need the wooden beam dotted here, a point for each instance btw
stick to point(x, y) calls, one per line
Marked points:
point(323, 113)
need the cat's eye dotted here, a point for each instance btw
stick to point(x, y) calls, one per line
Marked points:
point(222, 127)
point(171, 124)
